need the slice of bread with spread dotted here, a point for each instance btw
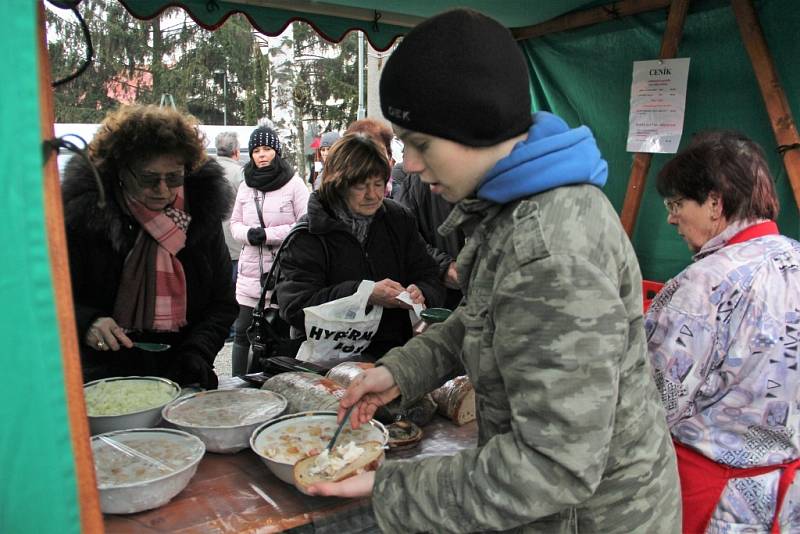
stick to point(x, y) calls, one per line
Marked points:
point(343, 462)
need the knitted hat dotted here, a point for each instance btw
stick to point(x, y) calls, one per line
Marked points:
point(328, 138)
point(459, 76)
point(264, 137)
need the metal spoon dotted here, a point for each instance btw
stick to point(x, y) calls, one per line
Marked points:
point(151, 347)
point(339, 429)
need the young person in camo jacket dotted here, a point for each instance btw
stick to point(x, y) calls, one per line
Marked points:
point(572, 436)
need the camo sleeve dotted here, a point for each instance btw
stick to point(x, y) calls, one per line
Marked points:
point(426, 361)
point(560, 331)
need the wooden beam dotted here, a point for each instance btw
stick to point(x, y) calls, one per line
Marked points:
point(641, 160)
point(588, 17)
point(90, 516)
point(780, 115)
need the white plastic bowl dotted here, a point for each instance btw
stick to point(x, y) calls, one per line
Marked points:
point(146, 418)
point(224, 419)
point(143, 468)
point(268, 436)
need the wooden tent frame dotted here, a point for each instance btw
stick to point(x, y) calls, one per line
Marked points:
point(777, 107)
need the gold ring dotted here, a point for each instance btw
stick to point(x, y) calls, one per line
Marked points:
point(101, 344)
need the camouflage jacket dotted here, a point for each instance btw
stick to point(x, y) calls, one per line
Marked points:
point(572, 432)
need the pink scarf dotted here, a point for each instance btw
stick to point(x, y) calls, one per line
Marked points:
point(152, 292)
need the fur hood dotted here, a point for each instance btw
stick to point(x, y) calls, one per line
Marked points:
point(209, 198)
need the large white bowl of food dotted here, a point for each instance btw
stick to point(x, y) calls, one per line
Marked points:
point(127, 402)
point(143, 468)
point(224, 419)
point(284, 441)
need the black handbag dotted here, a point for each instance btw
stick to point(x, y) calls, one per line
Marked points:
point(268, 333)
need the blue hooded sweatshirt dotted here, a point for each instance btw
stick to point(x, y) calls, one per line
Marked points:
point(553, 155)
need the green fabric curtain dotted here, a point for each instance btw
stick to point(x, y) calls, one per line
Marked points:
point(585, 75)
point(38, 492)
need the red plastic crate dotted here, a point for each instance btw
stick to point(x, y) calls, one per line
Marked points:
point(649, 291)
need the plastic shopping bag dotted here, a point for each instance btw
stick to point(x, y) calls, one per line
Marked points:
point(340, 329)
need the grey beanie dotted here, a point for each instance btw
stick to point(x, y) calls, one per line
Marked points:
point(328, 139)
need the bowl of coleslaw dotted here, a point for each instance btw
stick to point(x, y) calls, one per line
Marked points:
point(125, 402)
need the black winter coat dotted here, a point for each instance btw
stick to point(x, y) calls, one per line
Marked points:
point(393, 249)
point(98, 242)
point(430, 210)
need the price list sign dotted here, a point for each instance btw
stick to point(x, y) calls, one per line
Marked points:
point(658, 102)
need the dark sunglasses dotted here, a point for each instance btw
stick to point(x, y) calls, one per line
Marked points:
point(151, 180)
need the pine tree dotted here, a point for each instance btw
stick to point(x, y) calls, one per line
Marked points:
point(230, 72)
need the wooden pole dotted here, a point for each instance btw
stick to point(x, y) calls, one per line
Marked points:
point(587, 17)
point(780, 115)
point(90, 516)
point(641, 160)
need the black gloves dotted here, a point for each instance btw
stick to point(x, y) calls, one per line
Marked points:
point(256, 235)
point(193, 369)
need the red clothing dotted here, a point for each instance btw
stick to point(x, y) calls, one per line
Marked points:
point(704, 480)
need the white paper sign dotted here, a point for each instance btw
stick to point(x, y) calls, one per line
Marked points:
point(658, 103)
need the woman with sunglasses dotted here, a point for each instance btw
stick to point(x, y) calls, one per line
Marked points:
point(147, 255)
point(723, 341)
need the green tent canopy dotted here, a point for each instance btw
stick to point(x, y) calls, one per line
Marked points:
point(381, 21)
point(582, 74)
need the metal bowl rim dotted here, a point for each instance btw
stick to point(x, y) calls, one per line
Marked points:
point(254, 436)
point(191, 437)
point(180, 400)
point(174, 385)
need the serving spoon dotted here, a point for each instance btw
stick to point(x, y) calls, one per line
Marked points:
point(339, 429)
point(151, 347)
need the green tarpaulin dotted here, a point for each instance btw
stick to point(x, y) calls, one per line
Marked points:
point(38, 492)
point(585, 76)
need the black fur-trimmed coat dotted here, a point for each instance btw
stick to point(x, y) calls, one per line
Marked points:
point(99, 240)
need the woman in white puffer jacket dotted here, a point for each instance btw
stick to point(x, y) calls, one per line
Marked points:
point(270, 187)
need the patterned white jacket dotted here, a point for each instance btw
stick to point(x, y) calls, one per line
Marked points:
point(724, 341)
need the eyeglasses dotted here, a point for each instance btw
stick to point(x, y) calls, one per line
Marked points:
point(151, 180)
point(674, 205)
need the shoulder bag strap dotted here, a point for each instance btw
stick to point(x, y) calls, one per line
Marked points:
point(258, 208)
point(274, 269)
point(264, 226)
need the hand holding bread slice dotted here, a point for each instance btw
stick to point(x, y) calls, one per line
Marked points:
point(343, 462)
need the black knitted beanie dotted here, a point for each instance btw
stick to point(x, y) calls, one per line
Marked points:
point(460, 76)
point(262, 136)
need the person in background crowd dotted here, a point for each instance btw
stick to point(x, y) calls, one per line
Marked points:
point(431, 211)
point(269, 201)
point(366, 237)
point(151, 265)
point(723, 340)
point(325, 143)
point(572, 436)
point(227, 145)
point(381, 133)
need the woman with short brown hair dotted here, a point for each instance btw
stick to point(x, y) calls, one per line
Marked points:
point(722, 339)
point(356, 234)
